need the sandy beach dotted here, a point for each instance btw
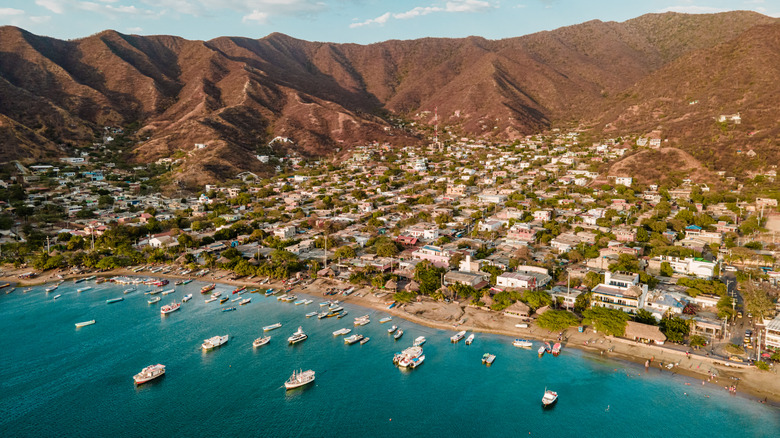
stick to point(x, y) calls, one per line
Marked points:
point(695, 369)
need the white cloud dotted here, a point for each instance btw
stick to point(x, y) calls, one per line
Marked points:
point(135, 29)
point(40, 19)
point(10, 12)
point(452, 6)
point(256, 16)
point(693, 9)
point(113, 11)
point(56, 6)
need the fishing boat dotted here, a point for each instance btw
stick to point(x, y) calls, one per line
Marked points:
point(127, 291)
point(342, 314)
point(259, 342)
point(391, 305)
point(154, 300)
point(114, 300)
point(299, 379)
point(168, 291)
point(154, 292)
point(488, 358)
point(458, 336)
point(186, 298)
point(208, 288)
point(307, 301)
point(50, 289)
point(168, 308)
point(214, 342)
point(547, 347)
point(149, 373)
point(4, 285)
point(216, 294)
point(210, 300)
point(342, 331)
point(100, 280)
point(404, 358)
point(392, 329)
point(299, 302)
point(223, 300)
point(522, 343)
point(310, 314)
point(385, 319)
point(556, 350)
point(290, 298)
point(298, 336)
point(541, 351)
point(239, 289)
point(352, 339)
point(398, 334)
point(322, 315)
point(362, 320)
point(85, 323)
point(419, 341)
point(272, 326)
point(364, 340)
point(57, 296)
point(83, 289)
point(416, 362)
point(470, 339)
point(228, 309)
point(269, 292)
point(549, 398)
point(245, 301)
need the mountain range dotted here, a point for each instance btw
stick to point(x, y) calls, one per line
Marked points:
point(668, 74)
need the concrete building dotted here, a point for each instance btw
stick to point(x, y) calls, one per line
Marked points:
point(621, 291)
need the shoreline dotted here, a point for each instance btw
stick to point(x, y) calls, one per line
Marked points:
point(751, 382)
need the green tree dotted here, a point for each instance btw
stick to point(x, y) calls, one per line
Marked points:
point(345, 252)
point(557, 320)
point(608, 321)
point(645, 317)
point(537, 299)
point(428, 277)
point(666, 269)
point(697, 341)
point(592, 279)
point(725, 307)
point(675, 329)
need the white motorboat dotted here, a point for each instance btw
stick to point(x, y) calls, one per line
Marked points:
point(549, 398)
point(299, 379)
point(259, 342)
point(419, 341)
point(149, 373)
point(522, 343)
point(168, 308)
point(154, 300)
point(398, 334)
point(352, 339)
point(298, 336)
point(186, 298)
point(272, 326)
point(458, 336)
point(385, 319)
point(470, 339)
point(214, 342)
point(392, 329)
point(342, 331)
point(85, 323)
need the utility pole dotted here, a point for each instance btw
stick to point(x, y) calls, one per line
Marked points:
point(48, 246)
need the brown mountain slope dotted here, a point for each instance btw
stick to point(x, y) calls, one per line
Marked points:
point(234, 94)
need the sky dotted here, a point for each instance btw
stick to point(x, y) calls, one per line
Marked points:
point(341, 21)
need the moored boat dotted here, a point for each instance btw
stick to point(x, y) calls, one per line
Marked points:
point(208, 300)
point(398, 334)
point(228, 309)
point(364, 340)
point(470, 339)
point(549, 398)
point(392, 329)
point(488, 358)
point(352, 339)
point(168, 291)
point(215, 341)
point(458, 336)
point(310, 314)
point(419, 341)
point(85, 323)
point(404, 357)
point(83, 289)
point(216, 294)
point(342, 314)
point(168, 308)
point(547, 347)
point(385, 319)
point(298, 336)
point(259, 342)
point(556, 350)
point(299, 379)
point(541, 351)
point(342, 331)
point(57, 296)
point(272, 326)
point(127, 291)
point(114, 300)
point(245, 301)
point(223, 299)
point(238, 289)
point(186, 298)
point(154, 300)
point(149, 373)
point(208, 288)
point(522, 343)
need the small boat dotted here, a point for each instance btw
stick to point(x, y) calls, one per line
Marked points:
point(228, 309)
point(488, 358)
point(391, 305)
point(27, 290)
point(85, 323)
point(4, 285)
point(522, 343)
point(208, 288)
point(322, 315)
point(186, 298)
point(114, 300)
point(169, 291)
point(127, 291)
point(324, 303)
point(298, 336)
point(307, 302)
point(458, 336)
point(168, 308)
point(57, 296)
point(259, 342)
point(299, 379)
point(154, 300)
point(364, 340)
point(385, 319)
point(342, 331)
point(272, 326)
point(154, 292)
point(245, 301)
point(50, 289)
point(281, 297)
point(149, 373)
point(310, 314)
point(214, 342)
point(352, 339)
point(398, 334)
point(83, 289)
point(547, 347)
point(210, 300)
point(419, 341)
point(549, 398)
point(100, 280)
point(361, 321)
point(239, 289)
point(222, 300)
point(342, 314)
point(392, 329)
point(556, 350)
point(299, 302)
point(216, 294)
point(269, 292)
point(416, 362)
point(470, 339)
point(402, 359)
point(541, 351)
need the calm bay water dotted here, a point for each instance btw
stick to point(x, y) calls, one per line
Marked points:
point(56, 380)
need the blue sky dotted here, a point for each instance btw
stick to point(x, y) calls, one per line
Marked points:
point(358, 21)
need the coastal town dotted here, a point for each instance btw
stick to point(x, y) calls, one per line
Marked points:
point(533, 238)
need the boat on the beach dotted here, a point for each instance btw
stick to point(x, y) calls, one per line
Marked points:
point(398, 334)
point(186, 298)
point(364, 340)
point(352, 339)
point(458, 336)
point(385, 319)
point(556, 350)
point(182, 282)
point(208, 288)
point(488, 358)
point(83, 289)
point(522, 343)
point(272, 326)
point(259, 342)
point(154, 300)
point(470, 339)
point(168, 308)
point(149, 373)
point(392, 329)
point(299, 379)
point(214, 342)
point(298, 336)
point(391, 305)
point(541, 351)
point(228, 309)
point(85, 323)
point(549, 398)
point(114, 300)
point(310, 314)
point(419, 341)
point(342, 331)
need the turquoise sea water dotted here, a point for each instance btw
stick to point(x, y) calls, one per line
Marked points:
point(56, 380)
